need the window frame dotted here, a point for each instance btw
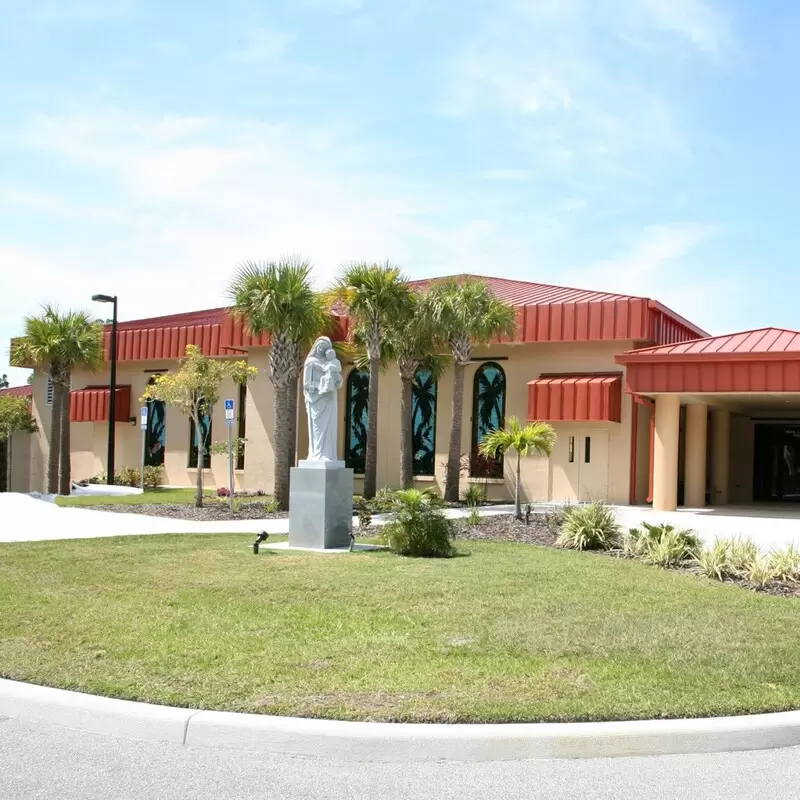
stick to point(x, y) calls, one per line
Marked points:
point(415, 471)
point(348, 421)
point(493, 470)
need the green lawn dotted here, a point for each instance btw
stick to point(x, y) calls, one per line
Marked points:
point(504, 633)
point(181, 496)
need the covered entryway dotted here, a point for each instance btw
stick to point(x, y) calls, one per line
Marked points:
point(741, 395)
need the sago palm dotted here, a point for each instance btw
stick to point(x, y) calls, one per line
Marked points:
point(372, 295)
point(535, 438)
point(468, 315)
point(59, 343)
point(277, 298)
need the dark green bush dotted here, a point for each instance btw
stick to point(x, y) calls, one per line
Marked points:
point(419, 527)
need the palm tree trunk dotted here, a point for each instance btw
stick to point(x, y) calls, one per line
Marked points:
point(451, 485)
point(281, 445)
point(406, 433)
point(371, 467)
point(65, 471)
point(53, 458)
point(517, 503)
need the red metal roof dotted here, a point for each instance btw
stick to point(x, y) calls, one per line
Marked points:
point(775, 342)
point(17, 391)
point(766, 360)
point(547, 313)
point(575, 398)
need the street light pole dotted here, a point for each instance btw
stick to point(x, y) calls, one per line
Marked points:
point(112, 387)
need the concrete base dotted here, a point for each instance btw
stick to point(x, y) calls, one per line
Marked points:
point(320, 506)
point(357, 548)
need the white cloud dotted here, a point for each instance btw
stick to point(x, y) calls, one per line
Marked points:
point(698, 22)
point(662, 262)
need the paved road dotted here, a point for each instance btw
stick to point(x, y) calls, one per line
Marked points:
point(40, 762)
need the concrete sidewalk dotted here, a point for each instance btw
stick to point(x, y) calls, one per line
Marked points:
point(27, 519)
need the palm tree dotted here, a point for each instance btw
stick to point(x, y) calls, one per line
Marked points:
point(59, 342)
point(468, 315)
point(277, 298)
point(536, 438)
point(413, 340)
point(372, 295)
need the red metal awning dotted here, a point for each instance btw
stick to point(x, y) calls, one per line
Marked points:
point(766, 360)
point(575, 398)
point(91, 404)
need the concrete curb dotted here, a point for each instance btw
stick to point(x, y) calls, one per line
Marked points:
point(373, 741)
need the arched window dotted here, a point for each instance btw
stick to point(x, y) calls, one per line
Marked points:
point(423, 422)
point(355, 429)
point(156, 434)
point(488, 413)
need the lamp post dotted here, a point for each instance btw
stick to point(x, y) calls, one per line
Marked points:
point(112, 400)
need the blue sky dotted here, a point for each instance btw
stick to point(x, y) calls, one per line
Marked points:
point(642, 146)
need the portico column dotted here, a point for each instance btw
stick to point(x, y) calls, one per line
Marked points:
point(720, 455)
point(665, 452)
point(696, 450)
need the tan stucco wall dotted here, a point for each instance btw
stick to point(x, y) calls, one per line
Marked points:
point(606, 477)
point(19, 478)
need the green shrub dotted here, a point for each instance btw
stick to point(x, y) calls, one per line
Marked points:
point(474, 495)
point(589, 527)
point(759, 571)
point(713, 561)
point(742, 553)
point(270, 505)
point(127, 476)
point(153, 477)
point(555, 517)
point(474, 517)
point(661, 544)
point(98, 479)
point(419, 527)
point(785, 564)
point(364, 519)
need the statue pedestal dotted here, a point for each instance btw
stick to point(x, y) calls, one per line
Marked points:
point(320, 505)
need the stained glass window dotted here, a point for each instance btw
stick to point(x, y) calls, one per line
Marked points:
point(205, 428)
point(355, 441)
point(489, 411)
point(423, 423)
point(156, 434)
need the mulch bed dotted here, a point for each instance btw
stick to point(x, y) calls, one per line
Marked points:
point(507, 529)
point(213, 511)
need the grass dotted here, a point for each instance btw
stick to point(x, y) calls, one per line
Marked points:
point(171, 496)
point(506, 632)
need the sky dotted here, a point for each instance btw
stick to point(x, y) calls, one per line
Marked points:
point(640, 146)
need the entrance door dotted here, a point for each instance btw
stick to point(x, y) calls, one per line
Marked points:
point(593, 457)
point(776, 468)
point(579, 466)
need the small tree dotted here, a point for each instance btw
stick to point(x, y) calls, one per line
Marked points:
point(59, 343)
point(536, 438)
point(194, 390)
point(15, 417)
point(468, 315)
point(277, 298)
point(372, 295)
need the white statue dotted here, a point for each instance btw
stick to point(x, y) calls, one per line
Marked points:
point(322, 379)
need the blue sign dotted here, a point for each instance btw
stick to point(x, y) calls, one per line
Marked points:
point(143, 420)
point(229, 405)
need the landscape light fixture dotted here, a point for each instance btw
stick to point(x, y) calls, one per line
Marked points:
point(112, 386)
